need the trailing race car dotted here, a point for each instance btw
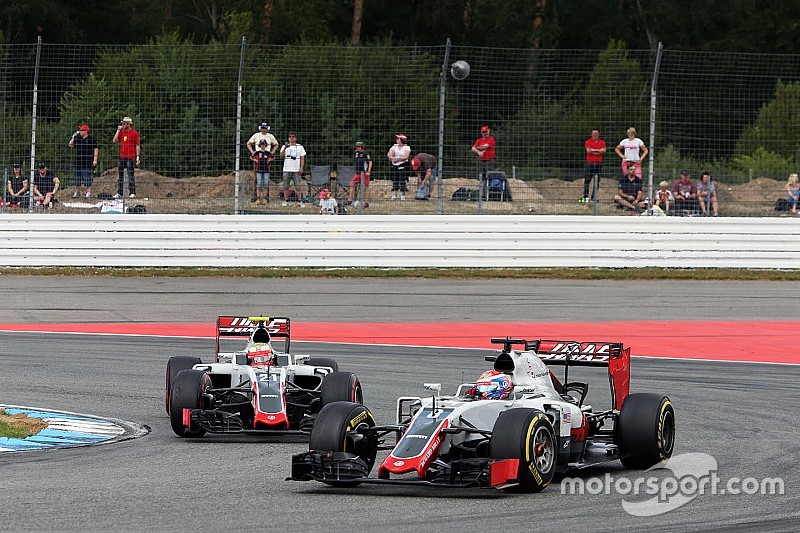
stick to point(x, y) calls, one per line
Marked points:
point(513, 428)
point(255, 390)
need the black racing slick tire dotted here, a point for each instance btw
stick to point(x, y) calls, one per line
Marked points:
point(527, 435)
point(323, 361)
point(187, 393)
point(645, 430)
point(175, 365)
point(336, 430)
point(340, 387)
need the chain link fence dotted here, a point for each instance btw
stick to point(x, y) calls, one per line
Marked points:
point(195, 107)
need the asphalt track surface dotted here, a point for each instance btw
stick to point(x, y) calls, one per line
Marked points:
point(741, 414)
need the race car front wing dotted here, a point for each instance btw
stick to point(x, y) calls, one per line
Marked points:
point(346, 468)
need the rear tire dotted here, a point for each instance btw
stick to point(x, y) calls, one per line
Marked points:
point(323, 361)
point(330, 434)
point(527, 435)
point(187, 393)
point(646, 430)
point(340, 387)
point(175, 365)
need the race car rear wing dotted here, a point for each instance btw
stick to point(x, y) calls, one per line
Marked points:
point(580, 353)
point(244, 326)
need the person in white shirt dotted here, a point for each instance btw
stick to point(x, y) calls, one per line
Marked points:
point(399, 155)
point(253, 144)
point(635, 152)
point(294, 159)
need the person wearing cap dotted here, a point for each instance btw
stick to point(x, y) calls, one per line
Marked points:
point(398, 155)
point(45, 186)
point(254, 143)
point(664, 198)
point(424, 165)
point(261, 160)
point(85, 160)
point(327, 203)
point(363, 164)
point(635, 152)
point(16, 187)
point(485, 148)
point(129, 156)
point(629, 193)
point(685, 193)
point(294, 160)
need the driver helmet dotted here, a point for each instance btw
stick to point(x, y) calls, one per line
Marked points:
point(493, 385)
point(260, 354)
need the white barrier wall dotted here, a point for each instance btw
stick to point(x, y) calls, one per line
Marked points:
point(397, 241)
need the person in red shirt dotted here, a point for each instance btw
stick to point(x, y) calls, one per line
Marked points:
point(484, 147)
point(595, 148)
point(128, 139)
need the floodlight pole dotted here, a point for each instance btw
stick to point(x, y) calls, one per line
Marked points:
point(440, 166)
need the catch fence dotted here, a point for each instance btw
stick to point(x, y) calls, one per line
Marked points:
point(196, 106)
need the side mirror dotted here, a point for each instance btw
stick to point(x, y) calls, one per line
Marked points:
point(241, 358)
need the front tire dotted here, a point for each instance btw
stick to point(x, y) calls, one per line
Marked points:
point(175, 365)
point(646, 430)
point(334, 430)
point(527, 435)
point(187, 393)
point(341, 387)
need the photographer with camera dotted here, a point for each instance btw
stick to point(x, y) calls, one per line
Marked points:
point(128, 139)
point(86, 152)
point(294, 159)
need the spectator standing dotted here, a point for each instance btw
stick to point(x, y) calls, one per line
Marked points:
point(685, 193)
point(86, 152)
point(261, 160)
point(16, 187)
point(254, 143)
point(595, 148)
point(664, 199)
point(294, 159)
point(46, 186)
point(793, 192)
point(707, 194)
point(398, 155)
point(629, 194)
point(327, 204)
point(485, 148)
point(635, 152)
point(425, 167)
point(129, 153)
point(363, 165)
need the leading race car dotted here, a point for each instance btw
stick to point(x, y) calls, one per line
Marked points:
point(513, 428)
point(255, 390)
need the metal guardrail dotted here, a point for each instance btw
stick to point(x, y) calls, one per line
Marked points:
point(397, 241)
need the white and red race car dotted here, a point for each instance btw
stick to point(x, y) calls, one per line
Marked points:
point(513, 428)
point(255, 390)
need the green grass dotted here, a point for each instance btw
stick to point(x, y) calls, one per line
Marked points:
point(622, 274)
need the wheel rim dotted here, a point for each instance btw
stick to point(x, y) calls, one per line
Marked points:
point(543, 450)
point(668, 433)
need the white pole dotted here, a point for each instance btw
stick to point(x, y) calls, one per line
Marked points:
point(653, 121)
point(33, 121)
point(439, 165)
point(237, 166)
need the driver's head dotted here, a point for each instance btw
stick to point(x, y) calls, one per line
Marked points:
point(260, 355)
point(493, 385)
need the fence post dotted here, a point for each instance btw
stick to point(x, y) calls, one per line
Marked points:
point(651, 144)
point(443, 79)
point(237, 166)
point(33, 122)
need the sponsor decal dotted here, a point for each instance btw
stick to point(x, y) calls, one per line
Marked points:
point(430, 451)
point(399, 463)
point(271, 417)
point(416, 436)
point(566, 416)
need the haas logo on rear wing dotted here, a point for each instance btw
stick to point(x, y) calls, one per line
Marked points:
point(588, 353)
point(243, 326)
